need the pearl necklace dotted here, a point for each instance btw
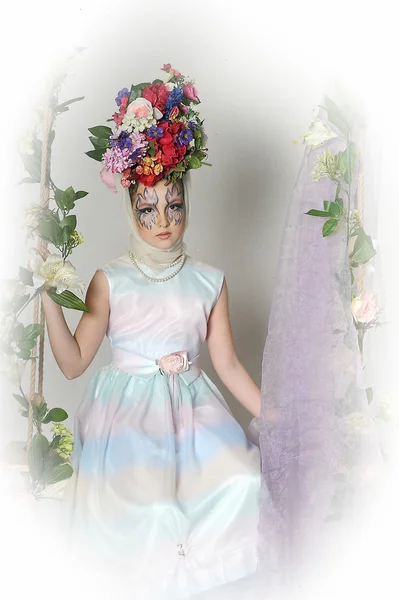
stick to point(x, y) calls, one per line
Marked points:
point(180, 260)
point(161, 265)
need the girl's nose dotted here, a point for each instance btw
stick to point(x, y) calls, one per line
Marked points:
point(163, 220)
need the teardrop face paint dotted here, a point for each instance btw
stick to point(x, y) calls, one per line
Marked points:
point(160, 213)
point(145, 208)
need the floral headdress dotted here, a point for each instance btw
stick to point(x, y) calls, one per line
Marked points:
point(157, 133)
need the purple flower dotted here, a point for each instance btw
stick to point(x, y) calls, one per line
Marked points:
point(184, 137)
point(121, 94)
point(155, 132)
point(193, 125)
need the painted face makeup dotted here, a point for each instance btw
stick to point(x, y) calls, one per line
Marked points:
point(146, 208)
point(160, 214)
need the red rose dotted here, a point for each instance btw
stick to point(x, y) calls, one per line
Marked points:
point(157, 94)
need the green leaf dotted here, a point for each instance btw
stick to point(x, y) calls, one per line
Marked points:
point(344, 167)
point(101, 131)
point(26, 344)
point(27, 180)
point(50, 231)
point(340, 203)
point(33, 330)
point(54, 442)
point(335, 117)
point(157, 81)
point(32, 164)
point(24, 354)
point(96, 154)
point(68, 300)
point(81, 194)
point(329, 227)
point(18, 332)
point(98, 142)
point(23, 401)
point(64, 106)
point(369, 394)
point(317, 213)
point(69, 222)
point(363, 249)
point(55, 414)
point(334, 210)
point(194, 162)
point(37, 451)
point(25, 276)
point(57, 473)
point(65, 200)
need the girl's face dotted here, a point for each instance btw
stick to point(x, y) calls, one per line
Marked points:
point(160, 213)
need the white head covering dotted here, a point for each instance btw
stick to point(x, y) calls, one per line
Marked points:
point(151, 255)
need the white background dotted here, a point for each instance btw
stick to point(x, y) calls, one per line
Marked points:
point(260, 69)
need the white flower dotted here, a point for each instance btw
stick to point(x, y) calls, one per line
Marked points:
point(54, 272)
point(26, 145)
point(357, 423)
point(166, 76)
point(169, 86)
point(319, 133)
point(12, 368)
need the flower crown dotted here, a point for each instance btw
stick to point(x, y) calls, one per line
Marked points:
point(157, 134)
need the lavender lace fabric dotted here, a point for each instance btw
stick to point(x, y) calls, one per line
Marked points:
point(320, 454)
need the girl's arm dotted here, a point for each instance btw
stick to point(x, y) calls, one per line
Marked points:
point(74, 353)
point(224, 357)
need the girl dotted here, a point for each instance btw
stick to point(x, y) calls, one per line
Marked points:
point(165, 489)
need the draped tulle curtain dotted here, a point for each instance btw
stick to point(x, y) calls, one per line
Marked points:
point(320, 455)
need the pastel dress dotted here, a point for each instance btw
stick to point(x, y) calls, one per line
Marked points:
point(165, 489)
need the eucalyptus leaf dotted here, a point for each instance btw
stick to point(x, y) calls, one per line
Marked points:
point(68, 299)
point(329, 227)
point(55, 414)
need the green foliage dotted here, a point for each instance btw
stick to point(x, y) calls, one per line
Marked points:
point(363, 249)
point(68, 299)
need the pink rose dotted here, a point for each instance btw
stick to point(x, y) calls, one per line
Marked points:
point(183, 108)
point(190, 92)
point(177, 362)
point(365, 307)
point(109, 179)
point(140, 108)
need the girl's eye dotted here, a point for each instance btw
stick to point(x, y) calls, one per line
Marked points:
point(146, 210)
point(175, 206)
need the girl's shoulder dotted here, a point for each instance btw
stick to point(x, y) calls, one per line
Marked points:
point(202, 267)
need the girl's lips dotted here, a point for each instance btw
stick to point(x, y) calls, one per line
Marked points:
point(163, 235)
